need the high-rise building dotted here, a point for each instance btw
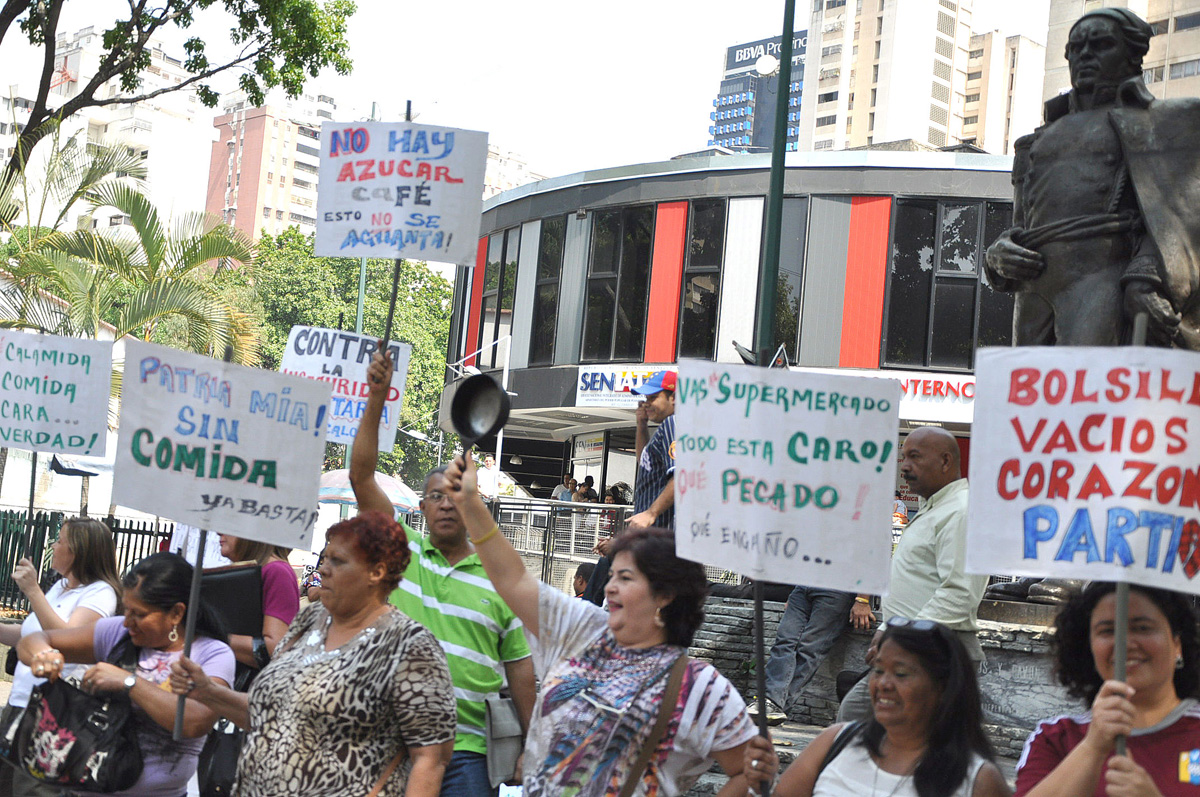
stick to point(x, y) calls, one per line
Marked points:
point(263, 170)
point(167, 130)
point(885, 70)
point(743, 115)
point(1003, 90)
point(1171, 67)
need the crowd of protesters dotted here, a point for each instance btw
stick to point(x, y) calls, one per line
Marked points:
point(386, 683)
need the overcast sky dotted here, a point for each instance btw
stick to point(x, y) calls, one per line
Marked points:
point(567, 86)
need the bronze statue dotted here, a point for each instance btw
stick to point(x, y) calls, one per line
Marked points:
point(1106, 203)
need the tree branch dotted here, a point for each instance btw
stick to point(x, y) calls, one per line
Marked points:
point(8, 15)
point(125, 99)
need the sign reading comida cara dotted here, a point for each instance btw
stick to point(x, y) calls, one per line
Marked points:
point(786, 476)
point(220, 446)
point(1085, 465)
point(54, 393)
point(341, 359)
point(399, 189)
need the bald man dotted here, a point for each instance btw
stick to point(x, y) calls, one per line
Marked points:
point(928, 580)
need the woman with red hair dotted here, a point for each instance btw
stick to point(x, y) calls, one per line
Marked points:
point(357, 696)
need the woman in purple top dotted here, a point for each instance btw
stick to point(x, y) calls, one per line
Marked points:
point(156, 596)
point(280, 598)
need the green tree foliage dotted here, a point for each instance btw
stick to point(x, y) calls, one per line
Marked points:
point(296, 287)
point(278, 43)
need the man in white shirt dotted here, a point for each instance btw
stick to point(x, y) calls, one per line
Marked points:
point(563, 491)
point(489, 478)
point(928, 579)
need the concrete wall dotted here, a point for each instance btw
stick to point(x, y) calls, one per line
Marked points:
point(1017, 685)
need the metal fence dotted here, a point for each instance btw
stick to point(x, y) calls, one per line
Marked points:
point(134, 539)
point(555, 537)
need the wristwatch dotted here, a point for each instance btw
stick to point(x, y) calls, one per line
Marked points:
point(130, 682)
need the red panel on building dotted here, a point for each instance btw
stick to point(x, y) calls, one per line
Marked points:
point(475, 311)
point(666, 272)
point(866, 275)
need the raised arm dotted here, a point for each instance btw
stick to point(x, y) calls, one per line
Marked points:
point(503, 564)
point(365, 456)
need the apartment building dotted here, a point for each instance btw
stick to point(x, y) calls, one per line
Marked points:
point(743, 115)
point(1171, 67)
point(1003, 90)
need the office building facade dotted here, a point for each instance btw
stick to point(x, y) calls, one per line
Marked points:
point(1003, 90)
point(744, 111)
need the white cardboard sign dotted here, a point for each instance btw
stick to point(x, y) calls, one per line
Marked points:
point(785, 476)
point(220, 446)
point(1085, 465)
point(400, 190)
point(341, 360)
point(54, 393)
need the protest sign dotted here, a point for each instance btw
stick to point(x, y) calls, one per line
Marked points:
point(400, 190)
point(220, 446)
point(341, 359)
point(1084, 465)
point(54, 393)
point(785, 476)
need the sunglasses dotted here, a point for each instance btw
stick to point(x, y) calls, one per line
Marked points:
point(915, 625)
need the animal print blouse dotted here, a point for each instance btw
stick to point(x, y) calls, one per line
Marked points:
point(329, 722)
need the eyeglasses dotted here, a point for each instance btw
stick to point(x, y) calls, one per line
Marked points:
point(916, 625)
point(436, 497)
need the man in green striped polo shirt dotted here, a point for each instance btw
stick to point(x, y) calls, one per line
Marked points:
point(446, 589)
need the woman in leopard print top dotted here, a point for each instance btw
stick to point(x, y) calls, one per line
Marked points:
point(352, 684)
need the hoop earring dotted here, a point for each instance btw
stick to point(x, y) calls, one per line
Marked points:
point(174, 635)
point(1179, 662)
point(658, 621)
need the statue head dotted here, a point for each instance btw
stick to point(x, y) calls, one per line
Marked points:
point(1106, 46)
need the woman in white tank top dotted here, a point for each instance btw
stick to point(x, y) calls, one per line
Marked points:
point(925, 739)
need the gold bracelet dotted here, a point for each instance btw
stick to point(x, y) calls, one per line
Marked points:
point(495, 530)
point(860, 599)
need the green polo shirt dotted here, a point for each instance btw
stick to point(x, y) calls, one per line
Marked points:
point(476, 629)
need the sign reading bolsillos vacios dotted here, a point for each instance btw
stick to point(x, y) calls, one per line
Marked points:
point(392, 190)
point(54, 393)
point(341, 359)
point(786, 476)
point(1085, 465)
point(220, 446)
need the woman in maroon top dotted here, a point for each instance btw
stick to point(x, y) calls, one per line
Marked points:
point(280, 598)
point(1155, 706)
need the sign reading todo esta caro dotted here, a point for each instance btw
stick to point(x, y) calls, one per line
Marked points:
point(786, 476)
point(220, 446)
point(1086, 464)
point(399, 190)
point(54, 393)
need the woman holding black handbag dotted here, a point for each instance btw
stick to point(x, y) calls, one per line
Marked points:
point(84, 555)
point(156, 596)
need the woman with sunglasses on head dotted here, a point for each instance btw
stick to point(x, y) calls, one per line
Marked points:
point(605, 672)
point(1155, 706)
point(157, 590)
point(85, 557)
point(924, 740)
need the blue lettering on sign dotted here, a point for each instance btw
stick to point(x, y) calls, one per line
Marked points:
point(416, 142)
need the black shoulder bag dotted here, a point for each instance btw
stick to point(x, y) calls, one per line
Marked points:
point(77, 740)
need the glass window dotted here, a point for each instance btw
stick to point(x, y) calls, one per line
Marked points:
point(545, 297)
point(499, 291)
point(938, 310)
point(702, 280)
point(791, 271)
point(614, 324)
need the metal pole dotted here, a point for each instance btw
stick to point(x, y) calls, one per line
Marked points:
point(768, 272)
point(503, 385)
point(189, 633)
point(27, 543)
point(1121, 621)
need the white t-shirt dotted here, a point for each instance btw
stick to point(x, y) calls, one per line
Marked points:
point(599, 700)
point(853, 773)
point(98, 596)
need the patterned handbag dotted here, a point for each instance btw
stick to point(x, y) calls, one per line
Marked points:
point(80, 741)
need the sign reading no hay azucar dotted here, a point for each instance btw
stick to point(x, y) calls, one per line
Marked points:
point(220, 446)
point(786, 476)
point(1085, 465)
point(400, 190)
